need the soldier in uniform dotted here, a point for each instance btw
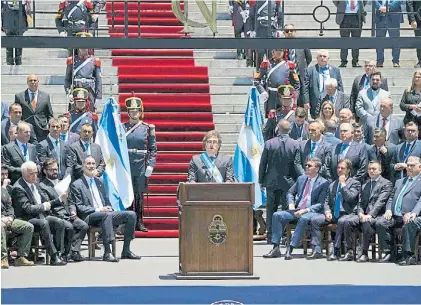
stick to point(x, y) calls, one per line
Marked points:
point(14, 22)
point(84, 71)
point(73, 16)
point(284, 111)
point(272, 74)
point(141, 144)
point(81, 114)
point(242, 22)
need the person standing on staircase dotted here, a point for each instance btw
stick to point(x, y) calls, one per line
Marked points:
point(141, 144)
point(81, 114)
point(14, 22)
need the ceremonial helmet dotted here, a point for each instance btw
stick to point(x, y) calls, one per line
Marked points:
point(134, 102)
point(80, 94)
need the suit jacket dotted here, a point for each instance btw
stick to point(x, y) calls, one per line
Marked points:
point(198, 172)
point(349, 196)
point(366, 106)
point(412, 7)
point(42, 114)
point(374, 122)
point(80, 197)
point(5, 126)
point(323, 152)
point(358, 85)
point(318, 193)
point(373, 199)
point(398, 158)
point(303, 58)
point(4, 111)
point(385, 159)
point(411, 200)
point(72, 138)
point(357, 153)
point(341, 7)
point(296, 134)
point(76, 154)
point(46, 150)
point(341, 101)
point(331, 139)
point(58, 208)
point(280, 163)
point(24, 201)
point(6, 204)
point(13, 158)
point(392, 20)
point(312, 87)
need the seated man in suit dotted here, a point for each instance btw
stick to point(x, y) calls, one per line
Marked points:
point(348, 149)
point(339, 99)
point(382, 151)
point(305, 199)
point(15, 111)
point(75, 229)
point(411, 147)
point(339, 208)
point(16, 153)
point(316, 147)
point(299, 128)
point(32, 204)
point(79, 150)
point(66, 135)
point(374, 196)
point(89, 199)
point(210, 166)
point(403, 206)
point(412, 228)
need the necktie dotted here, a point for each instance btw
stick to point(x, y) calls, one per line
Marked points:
point(406, 152)
point(91, 187)
point(384, 123)
point(87, 151)
point(353, 4)
point(33, 101)
point(337, 208)
point(63, 136)
point(343, 147)
point(313, 149)
point(25, 151)
point(306, 193)
point(332, 99)
point(398, 204)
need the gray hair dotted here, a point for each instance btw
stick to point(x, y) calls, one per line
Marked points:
point(323, 52)
point(331, 82)
point(414, 158)
point(28, 165)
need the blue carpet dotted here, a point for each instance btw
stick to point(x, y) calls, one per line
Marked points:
point(332, 294)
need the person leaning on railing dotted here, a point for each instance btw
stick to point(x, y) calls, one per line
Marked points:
point(411, 101)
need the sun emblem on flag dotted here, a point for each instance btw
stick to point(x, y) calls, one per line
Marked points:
point(254, 150)
point(110, 161)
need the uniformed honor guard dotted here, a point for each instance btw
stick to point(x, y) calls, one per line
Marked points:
point(271, 75)
point(75, 15)
point(81, 114)
point(141, 144)
point(84, 71)
point(284, 111)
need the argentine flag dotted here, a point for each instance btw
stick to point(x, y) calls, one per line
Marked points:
point(250, 147)
point(111, 136)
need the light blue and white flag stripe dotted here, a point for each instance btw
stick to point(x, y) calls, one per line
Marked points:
point(250, 147)
point(111, 136)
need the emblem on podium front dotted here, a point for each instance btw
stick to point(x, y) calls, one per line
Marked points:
point(217, 230)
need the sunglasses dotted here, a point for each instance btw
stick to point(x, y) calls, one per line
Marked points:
point(289, 31)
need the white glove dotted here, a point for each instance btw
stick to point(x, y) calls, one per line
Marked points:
point(63, 34)
point(230, 9)
point(252, 34)
point(148, 171)
point(264, 96)
point(70, 98)
point(47, 205)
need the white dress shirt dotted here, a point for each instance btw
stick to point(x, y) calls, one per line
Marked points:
point(96, 197)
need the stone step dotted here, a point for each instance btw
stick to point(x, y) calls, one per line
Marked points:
point(49, 70)
point(229, 137)
point(227, 89)
point(56, 98)
point(12, 88)
point(51, 80)
point(231, 118)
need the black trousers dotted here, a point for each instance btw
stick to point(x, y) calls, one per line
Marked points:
point(385, 230)
point(51, 231)
point(75, 232)
point(350, 27)
point(369, 230)
point(418, 34)
point(275, 199)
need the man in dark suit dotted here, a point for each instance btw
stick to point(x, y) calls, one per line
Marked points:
point(16, 153)
point(77, 152)
point(88, 198)
point(15, 111)
point(278, 168)
point(314, 82)
point(301, 57)
point(412, 147)
point(75, 229)
point(339, 208)
point(339, 99)
point(299, 128)
point(329, 136)
point(363, 82)
point(31, 204)
point(386, 120)
point(382, 151)
point(374, 196)
point(66, 135)
point(316, 147)
point(54, 147)
point(210, 166)
point(359, 138)
point(413, 8)
point(348, 149)
point(36, 106)
point(305, 200)
point(350, 16)
point(403, 206)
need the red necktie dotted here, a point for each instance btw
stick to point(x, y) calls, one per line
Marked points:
point(384, 123)
point(303, 203)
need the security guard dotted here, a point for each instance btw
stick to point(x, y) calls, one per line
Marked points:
point(75, 15)
point(81, 115)
point(141, 144)
point(273, 73)
point(84, 71)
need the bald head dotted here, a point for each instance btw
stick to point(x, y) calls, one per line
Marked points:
point(284, 127)
point(345, 115)
point(32, 81)
point(346, 132)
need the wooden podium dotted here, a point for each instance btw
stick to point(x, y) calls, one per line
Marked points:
point(216, 231)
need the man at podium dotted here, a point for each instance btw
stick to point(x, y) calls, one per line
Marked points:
point(210, 166)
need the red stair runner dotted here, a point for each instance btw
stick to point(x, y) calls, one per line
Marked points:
point(176, 98)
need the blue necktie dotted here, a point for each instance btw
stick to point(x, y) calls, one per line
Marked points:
point(25, 150)
point(398, 204)
point(337, 208)
point(406, 152)
point(343, 147)
point(367, 81)
point(63, 136)
point(332, 99)
point(313, 149)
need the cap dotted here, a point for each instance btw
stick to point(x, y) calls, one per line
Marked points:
point(80, 94)
point(286, 91)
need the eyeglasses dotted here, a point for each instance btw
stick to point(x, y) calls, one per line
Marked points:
point(211, 142)
point(289, 31)
point(32, 80)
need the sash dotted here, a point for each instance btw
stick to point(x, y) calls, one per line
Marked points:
point(274, 68)
point(289, 114)
point(211, 167)
point(82, 65)
point(74, 8)
point(262, 7)
point(133, 128)
point(78, 120)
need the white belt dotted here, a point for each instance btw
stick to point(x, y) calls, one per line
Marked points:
point(84, 80)
point(138, 151)
point(272, 89)
point(265, 18)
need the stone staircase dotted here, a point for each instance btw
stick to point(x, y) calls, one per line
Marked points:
point(229, 78)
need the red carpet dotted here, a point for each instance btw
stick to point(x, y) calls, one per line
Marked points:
point(176, 98)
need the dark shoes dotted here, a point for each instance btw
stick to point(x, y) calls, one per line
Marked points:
point(356, 65)
point(10, 61)
point(108, 257)
point(342, 65)
point(418, 65)
point(129, 255)
point(349, 256)
point(410, 260)
point(57, 261)
point(386, 258)
point(141, 227)
point(379, 65)
point(363, 259)
point(288, 255)
point(315, 255)
point(333, 257)
point(275, 252)
point(77, 257)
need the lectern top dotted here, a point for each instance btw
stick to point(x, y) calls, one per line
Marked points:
point(216, 192)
